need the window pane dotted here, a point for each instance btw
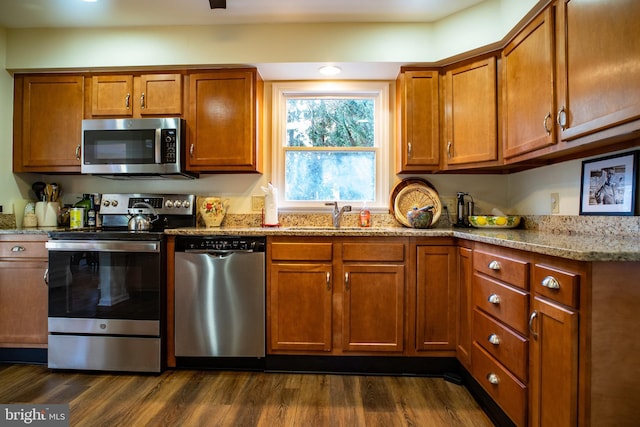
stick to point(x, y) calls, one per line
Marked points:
point(330, 122)
point(330, 175)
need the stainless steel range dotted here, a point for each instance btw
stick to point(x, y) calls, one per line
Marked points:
point(107, 286)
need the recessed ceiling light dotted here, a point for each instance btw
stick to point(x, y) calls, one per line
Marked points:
point(330, 70)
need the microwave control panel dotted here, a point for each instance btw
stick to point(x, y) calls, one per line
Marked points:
point(169, 145)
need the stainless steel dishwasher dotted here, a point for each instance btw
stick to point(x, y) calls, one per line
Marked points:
point(220, 296)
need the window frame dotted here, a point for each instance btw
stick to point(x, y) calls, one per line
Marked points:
point(376, 90)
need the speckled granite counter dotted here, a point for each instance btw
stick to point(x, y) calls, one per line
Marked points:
point(565, 245)
point(571, 245)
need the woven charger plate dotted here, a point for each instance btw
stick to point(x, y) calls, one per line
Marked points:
point(416, 195)
point(401, 186)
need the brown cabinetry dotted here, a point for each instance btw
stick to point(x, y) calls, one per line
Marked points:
point(598, 88)
point(499, 354)
point(471, 114)
point(436, 295)
point(223, 121)
point(465, 307)
point(337, 296)
point(419, 120)
point(23, 291)
point(47, 123)
point(528, 80)
point(131, 95)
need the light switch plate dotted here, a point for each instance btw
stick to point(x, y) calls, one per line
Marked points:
point(257, 203)
point(555, 203)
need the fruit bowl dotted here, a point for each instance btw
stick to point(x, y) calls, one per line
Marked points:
point(494, 221)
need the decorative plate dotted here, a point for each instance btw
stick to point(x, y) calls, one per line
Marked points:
point(416, 195)
point(494, 221)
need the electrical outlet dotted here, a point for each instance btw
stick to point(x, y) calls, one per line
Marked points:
point(452, 205)
point(257, 203)
point(555, 203)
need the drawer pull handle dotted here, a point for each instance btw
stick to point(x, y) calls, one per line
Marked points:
point(550, 282)
point(493, 378)
point(46, 277)
point(494, 265)
point(494, 299)
point(534, 314)
point(494, 339)
point(18, 249)
point(328, 281)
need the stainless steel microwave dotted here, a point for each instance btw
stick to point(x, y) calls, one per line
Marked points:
point(134, 147)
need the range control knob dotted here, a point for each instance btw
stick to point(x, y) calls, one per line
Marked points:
point(186, 204)
point(168, 204)
point(114, 203)
point(106, 203)
point(177, 203)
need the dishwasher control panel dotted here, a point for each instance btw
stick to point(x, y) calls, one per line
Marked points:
point(220, 243)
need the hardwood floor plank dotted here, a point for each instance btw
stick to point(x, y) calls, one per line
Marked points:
point(230, 399)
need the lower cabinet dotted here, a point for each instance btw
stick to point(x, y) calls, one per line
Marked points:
point(23, 291)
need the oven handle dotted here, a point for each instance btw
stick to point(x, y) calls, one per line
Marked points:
point(102, 246)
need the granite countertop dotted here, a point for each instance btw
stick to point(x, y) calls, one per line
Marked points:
point(576, 246)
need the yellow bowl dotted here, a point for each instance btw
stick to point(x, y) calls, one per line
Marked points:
point(494, 221)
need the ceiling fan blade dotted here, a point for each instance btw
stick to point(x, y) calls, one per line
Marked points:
point(218, 4)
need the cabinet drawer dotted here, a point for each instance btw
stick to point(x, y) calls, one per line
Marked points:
point(393, 252)
point(505, 389)
point(510, 270)
point(293, 251)
point(11, 249)
point(509, 348)
point(559, 285)
point(510, 305)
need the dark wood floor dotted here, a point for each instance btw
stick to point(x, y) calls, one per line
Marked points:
point(216, 398)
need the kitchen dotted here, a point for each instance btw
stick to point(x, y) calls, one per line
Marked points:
point(53, 49)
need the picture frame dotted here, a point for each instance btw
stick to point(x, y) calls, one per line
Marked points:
point(608, 185)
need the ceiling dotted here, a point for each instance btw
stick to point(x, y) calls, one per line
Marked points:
point(118, 13)
point(134, 13)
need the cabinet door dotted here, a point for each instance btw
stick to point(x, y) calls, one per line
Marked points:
point(48, 123)
point(160, 94)
point(373, 307)
point(419, 112)
point(465, 276)
point(528, 91)
point(554, 365)
point(23, 304)
point(436, 298)
point(470, 113)
point(112, 95)
point(599, 85)
point(299, 307)
point(222, 122)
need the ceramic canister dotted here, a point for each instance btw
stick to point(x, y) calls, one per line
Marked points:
point(76, 217)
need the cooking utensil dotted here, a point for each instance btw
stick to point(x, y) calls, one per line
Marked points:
point(38, 189)
point(139, 221)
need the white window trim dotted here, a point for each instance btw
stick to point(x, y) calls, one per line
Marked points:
point(280, 91)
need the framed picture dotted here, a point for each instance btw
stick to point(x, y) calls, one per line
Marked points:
point(609, 185)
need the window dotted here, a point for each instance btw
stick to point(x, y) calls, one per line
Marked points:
point(331, 144)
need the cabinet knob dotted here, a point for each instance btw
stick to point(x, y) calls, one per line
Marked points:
point(494, 339)
point(494, 299)
point(550, 282)
point(544, 123)
point(561, 118)
point(493, 378)
point(18, 249)
point(494, 265)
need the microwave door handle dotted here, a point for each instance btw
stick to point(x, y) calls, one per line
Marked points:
point(158, 146)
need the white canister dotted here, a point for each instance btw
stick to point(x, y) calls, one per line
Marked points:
point(76, 217)
point(51, 211)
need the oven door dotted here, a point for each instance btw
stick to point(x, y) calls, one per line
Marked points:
point(105, 287)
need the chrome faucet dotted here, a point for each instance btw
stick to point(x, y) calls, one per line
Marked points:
point(337, 213)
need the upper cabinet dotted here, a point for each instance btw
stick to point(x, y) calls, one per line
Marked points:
point(599, 76)
point(48, 112)
point(127, 95)
point(528, 79)
point(470, 115)
point(223, 121)
point(419, 117)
